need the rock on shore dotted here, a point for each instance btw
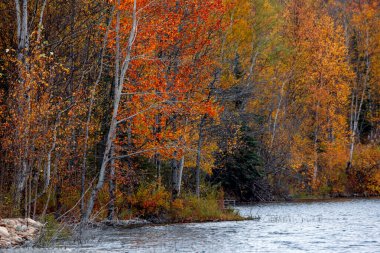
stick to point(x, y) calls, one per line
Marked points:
point(18, 231)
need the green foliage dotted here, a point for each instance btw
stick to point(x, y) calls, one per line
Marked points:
point(6, 200)
point(262, 89)
point(240, 172)
point(52, 230)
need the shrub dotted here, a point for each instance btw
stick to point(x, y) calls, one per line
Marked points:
point(191, 209)
point(153, 201)
point(150, 200)
point(365, 173)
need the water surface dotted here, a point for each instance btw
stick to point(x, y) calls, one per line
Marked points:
point(350, 225)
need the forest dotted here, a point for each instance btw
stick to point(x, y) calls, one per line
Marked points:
point(122, 108)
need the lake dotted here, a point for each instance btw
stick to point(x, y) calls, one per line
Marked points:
point(347, 225)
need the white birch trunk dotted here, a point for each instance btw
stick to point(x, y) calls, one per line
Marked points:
point(356, 112)
point(118, 87)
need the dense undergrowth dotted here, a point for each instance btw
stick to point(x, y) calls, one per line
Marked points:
point(153, 202)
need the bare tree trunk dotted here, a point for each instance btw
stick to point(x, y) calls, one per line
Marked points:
point(18, 20)
point(175, 176)
point(158, 167)
point(181, 163)
point(180, 172)
point(40, 25)
point(356, 112)
point(112, 187)
point(49, 156)
point(199, 157)
point(175, 165)
point(36, 177)
point(48, 166)
point(29, 197)
point(49, 190)
point(316, 132)
point(277, 113)
point(89, 115)
point(157, 159)
point(118, 83)
point(23, 46)
point(26, 200)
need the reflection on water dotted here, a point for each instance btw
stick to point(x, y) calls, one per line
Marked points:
point(327, 226)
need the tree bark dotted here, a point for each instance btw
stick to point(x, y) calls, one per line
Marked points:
point(89, 115)
point(277, 113)
point(120, 72)
point(357, 109)
point(199, 157)
point(175, 176)
point(112, 188)
point(40, 24)
point(23, 46)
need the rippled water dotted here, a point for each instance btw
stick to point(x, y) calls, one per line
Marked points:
point(326, 226)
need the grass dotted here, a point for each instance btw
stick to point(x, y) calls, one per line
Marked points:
point(193, 209)
point(154, 203)
point(52, 231)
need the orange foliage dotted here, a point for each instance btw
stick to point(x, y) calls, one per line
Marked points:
point(149, 200)
point(167, 89)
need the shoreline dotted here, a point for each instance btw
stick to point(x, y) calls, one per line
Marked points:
point(138, 222)
point(164, 221)
point(308, 199)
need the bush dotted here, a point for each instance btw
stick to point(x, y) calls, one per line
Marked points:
point(150, 200)
point(52, 231)
point(364, 175)
point(209, 208)
point(153, 201)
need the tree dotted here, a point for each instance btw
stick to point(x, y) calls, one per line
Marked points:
point(122, 62)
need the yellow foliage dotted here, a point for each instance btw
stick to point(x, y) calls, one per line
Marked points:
point(365, 174)
point(150, 200)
